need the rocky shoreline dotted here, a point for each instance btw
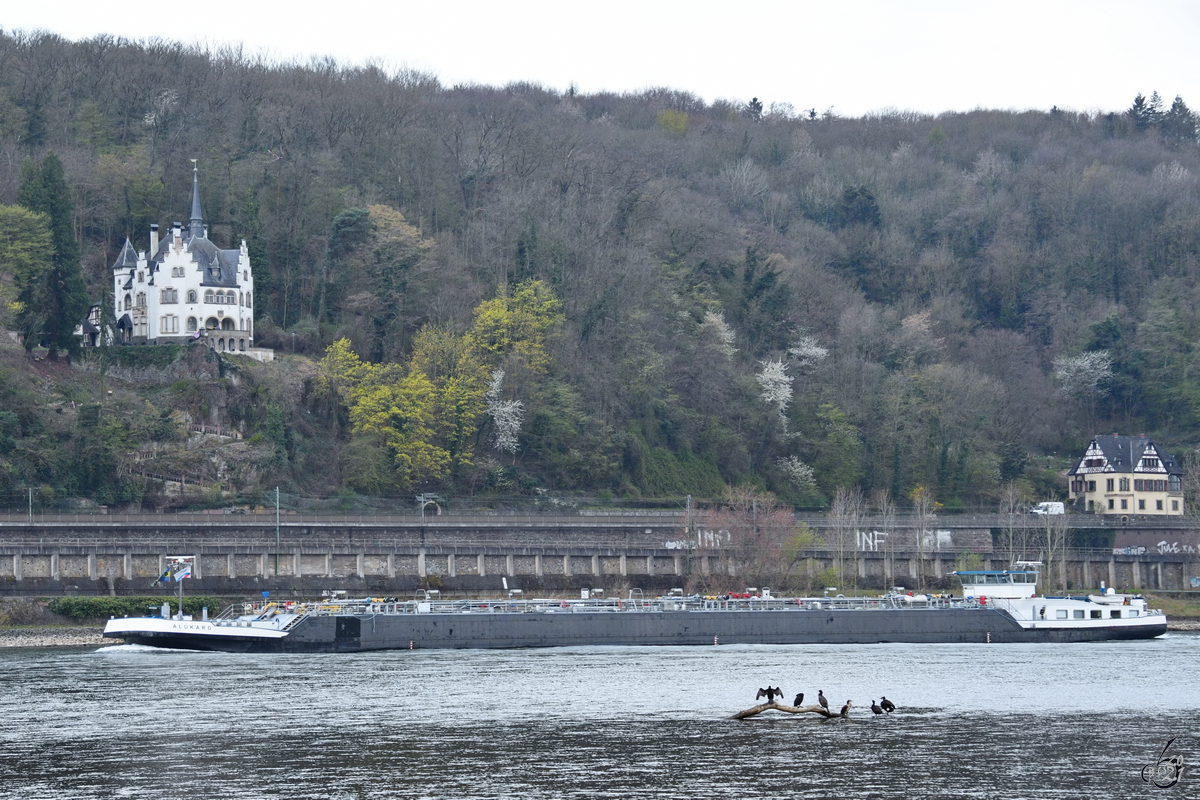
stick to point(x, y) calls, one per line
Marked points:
point(82, 636)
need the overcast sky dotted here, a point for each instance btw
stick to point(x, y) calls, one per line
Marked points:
point(856, 56)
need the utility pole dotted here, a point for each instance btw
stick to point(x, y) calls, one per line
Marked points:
point(31, 505)
point(276, 531)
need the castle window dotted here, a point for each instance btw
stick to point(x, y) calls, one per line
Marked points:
point(169, 296)
point(141, 277)
point(1174, 505)
point(1141, 505)
point(168, 324)
point(230, 298)
point(241, 344)
point(1158, 505)
point(191, 295)
point(1109, 484)
point(248, 303)
point(191, 324)
point(128, 302)
point(1124, 484)
point(1124, 504)
point(1091, 486)
point(176, 272)
point(1110, 504)
point(1173, 484)
point(141, 300)
point(245, 274)
point(208, 296)
point(241, 299)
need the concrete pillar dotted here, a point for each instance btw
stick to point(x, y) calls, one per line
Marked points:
point(937, 565)
point(482, 564)
point(596, 565)
point(509, 566)
point(705, 567)
point(912, 568)
point(1158, 580)
point(264, 565)
point(196, 573)
point(229, 569)
point(92, 566)
point(329, 564)
point(1087, 573)
point(450, 566)
point(537, 565)
point(678, 564)
point(391, 567)
point(1112, 571)
point(362, 557)
point(421, 562)
point(297, 568)
point(650, 565)
point(624, 565)
point(1137, 574)
point(566, 565)
point(17, 567)
point(54, 572)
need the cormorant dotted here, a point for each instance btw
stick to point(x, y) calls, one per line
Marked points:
point(887, 705)
point(846, 709)
point(771, 692)
point(875, 707)
point(821, 699)
point(799, 700)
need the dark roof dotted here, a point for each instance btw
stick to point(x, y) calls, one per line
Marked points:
point(1122, 454)
point(127, 258)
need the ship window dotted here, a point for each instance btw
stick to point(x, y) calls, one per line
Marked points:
point(1133, 613)
point(1078, 613)
point(1060, 613)
point(1097, 614)
point(1116, 613)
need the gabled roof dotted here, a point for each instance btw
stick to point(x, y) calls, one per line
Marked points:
point(1123, 454)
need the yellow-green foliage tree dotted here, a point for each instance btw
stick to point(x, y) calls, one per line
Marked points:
point(428, 414)
point(26, 251)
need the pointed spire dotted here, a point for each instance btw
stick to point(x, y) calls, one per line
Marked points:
point(196, 226)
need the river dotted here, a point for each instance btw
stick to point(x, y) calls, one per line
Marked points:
point(973, 721)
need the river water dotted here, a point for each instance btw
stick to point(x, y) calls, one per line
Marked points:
point(973, 721)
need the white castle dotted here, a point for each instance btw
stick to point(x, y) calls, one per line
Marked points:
point(185, 288)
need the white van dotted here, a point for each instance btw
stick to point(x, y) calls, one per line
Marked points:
point(1049, 507)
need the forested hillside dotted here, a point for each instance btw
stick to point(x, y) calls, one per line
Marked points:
point(517, 291)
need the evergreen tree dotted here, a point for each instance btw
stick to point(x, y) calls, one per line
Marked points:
point(44, 189)
point(1179, 124)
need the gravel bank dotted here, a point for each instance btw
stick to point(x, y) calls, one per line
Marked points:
point(87, 636)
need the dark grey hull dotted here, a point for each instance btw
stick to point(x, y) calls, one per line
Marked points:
point(565, 629)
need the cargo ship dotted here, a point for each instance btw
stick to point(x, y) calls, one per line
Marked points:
point(995, 606)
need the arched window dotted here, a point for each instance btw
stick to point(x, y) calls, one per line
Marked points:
point(241, 344)
point(212, 324)
point(227, 324)
point(191, 323)
point(230, 297)
point(128, 302)
point(241, 299)
point(221, 345)
point(191, 295)
point(208, 296)
point(248, 303)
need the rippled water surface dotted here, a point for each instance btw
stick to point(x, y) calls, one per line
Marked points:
point(1002, 721)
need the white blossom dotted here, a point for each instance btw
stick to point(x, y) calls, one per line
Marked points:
point(506, 414)
point(806, 352)
point(714, 324)
point(776, 386)
point(800, 474)
point(1084, 375)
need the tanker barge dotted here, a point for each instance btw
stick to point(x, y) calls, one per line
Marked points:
point(995, 606)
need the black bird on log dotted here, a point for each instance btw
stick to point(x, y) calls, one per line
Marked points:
point(875, 707)
point(846, 709)
point(799, 700)
point(887, 705)
point(770, 693)
point(821, 699)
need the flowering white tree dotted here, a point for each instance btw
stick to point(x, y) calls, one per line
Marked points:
point(714, 325)
point(776, 387)
point(506, 414)
point(1084, 376)
point(800, 474)
point(806, 352)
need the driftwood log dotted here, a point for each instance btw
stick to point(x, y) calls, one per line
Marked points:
point(761, 707)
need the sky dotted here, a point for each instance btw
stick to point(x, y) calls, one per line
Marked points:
point(852, 56)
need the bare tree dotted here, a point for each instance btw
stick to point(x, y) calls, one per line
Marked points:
point(846, 514)
point(923, 508)
point(885, 511)
point(1053, 534)
point(1014, 536)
